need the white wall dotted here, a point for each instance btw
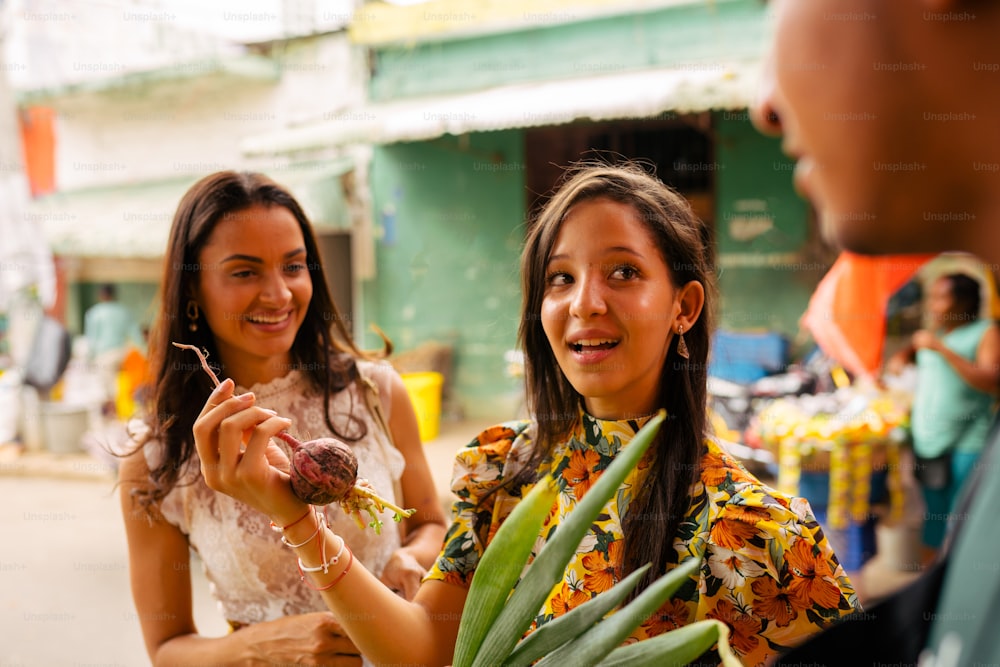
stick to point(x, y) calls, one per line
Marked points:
point(164, 127)
point(194, 126)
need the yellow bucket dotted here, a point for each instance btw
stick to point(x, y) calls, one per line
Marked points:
point(425, 394)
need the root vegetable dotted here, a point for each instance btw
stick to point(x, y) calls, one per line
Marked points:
point(325, 471)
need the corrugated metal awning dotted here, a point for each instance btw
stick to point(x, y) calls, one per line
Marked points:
point(130, 220)
point(643, 94)
point(133, 220)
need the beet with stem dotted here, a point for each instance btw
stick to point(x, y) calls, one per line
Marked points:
point(325, 471)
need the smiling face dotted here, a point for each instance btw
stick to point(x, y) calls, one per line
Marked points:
point(609, 308)
point(254, 290)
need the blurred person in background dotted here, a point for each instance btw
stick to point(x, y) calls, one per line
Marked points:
point(244, 282)
point(896, 146)
point(958, 377)
point(109, 327)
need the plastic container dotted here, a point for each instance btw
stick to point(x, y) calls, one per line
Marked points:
point(424, 389)
point(10, 405)
point(745, 357)
point(62, 426)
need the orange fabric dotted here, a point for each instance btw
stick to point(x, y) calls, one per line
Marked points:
point(846, 314)
point(133, 373)
point(135, 366)
point(39, 142)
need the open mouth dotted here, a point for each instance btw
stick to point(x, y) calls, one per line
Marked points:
point(268, 319)
point(593, 345)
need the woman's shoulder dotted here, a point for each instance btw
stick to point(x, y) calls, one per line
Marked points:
point(499, 441)
point(380, 372)
point(973, 330)
point(735, 491)
point(759, 522)
point(492, 456)
point(376, 369)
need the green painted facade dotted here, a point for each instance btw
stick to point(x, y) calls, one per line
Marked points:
point(697, 35)
point(449, 217)
point(766, 246)
point(449, 212)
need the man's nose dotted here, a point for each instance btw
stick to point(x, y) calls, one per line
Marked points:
point(763, 111)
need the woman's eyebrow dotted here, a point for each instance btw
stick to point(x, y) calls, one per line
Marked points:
point(243, 258)
point(258, 260)
point(607, 251)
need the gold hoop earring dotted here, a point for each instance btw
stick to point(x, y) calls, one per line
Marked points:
point(192, 315)
point(682, 348)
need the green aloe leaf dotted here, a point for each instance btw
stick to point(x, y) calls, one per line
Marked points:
point(501, 567)
point(612, 631)
point(548, 567)
point(677, 647)
point(560, 630)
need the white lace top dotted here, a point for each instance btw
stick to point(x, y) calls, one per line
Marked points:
point(252, 574)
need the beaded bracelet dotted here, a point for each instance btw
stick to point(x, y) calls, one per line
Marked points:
point(350, 561)
point(324, 566)
point(320, 525)
point(280, 529)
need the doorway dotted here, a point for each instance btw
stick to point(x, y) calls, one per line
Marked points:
point(335, 253)
point(679, 146)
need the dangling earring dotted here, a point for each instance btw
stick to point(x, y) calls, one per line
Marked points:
point(682, 348)
point(192, 315)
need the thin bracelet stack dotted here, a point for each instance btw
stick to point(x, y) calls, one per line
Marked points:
point(325, 564)
point(320, 525)
point(281, 529)
point(324, 567)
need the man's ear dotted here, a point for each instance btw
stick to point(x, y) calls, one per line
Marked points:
point(691, 300)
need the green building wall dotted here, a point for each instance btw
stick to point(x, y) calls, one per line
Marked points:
point(769, 256)
point(449, 216)
point(696, 35)
point(450, 212)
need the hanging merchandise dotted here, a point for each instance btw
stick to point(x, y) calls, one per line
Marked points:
point(845, 434)
point(846, 315)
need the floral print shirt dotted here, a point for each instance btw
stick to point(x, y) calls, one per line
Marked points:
point(768, 573)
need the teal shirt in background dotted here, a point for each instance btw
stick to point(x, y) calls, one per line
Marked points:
point(109, 326)
point(949, 414)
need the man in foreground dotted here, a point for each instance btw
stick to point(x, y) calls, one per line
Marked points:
point(891, 110)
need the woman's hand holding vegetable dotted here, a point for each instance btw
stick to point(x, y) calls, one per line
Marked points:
point(233, 437)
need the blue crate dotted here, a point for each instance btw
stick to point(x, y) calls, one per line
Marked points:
point(745, 357)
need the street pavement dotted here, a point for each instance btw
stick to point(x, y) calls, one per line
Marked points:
point(64, 590)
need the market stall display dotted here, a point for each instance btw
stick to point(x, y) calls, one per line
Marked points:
point(832, 447)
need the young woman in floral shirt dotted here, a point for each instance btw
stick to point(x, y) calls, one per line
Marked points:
point(617, 285)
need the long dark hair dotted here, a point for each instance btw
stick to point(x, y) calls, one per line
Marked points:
point(684, 243)
point(965, 296)
point(323, 347)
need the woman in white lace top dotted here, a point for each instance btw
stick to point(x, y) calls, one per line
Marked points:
point(244, 282)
